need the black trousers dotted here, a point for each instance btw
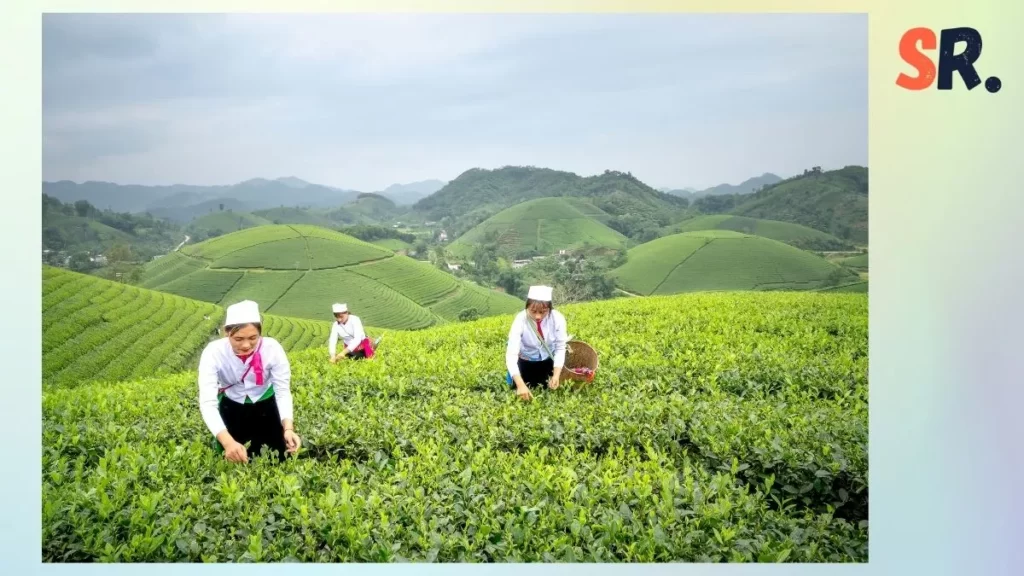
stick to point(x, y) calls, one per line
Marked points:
point(535, 373)
point(259, 423)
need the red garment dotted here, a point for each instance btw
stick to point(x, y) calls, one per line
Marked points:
point(539, 331)
point(256, 365)
point(367, 347)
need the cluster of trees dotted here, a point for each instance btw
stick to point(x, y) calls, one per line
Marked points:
point(639, 227)
point(369, 233)
point(81, 230)
point(118, 263)
point(197, 235)
point(719, 204)
point(124, 221)
point(577, 278)
point(580, 280)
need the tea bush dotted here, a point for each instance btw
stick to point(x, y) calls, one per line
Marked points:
point(725, 427)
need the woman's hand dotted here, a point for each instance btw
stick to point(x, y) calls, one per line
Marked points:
point(524, 393)
point(556, 378)
point(521, 389)
point(235, 452)
point(292, 441)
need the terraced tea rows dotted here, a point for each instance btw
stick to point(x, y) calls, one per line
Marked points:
point(544, 224)
point(859, 263)
point(300, 270)
point(168, 268)
point(392, 244)
point(95, 329)
point(375, 303)
point(297, 334)
point(280, 247)
point(720, 428)
point(221, 246)
point(262, 286)
point(471, 296)
point(793, 234)
point(424, 285)
point(203, 284)
point(721, 260)
point(287, 254)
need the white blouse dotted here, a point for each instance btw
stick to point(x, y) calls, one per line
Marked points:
point(220, 370)
point(522, 341)
point(351, 334)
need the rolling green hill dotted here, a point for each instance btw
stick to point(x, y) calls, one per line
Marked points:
point(723, 260)
point(284, 247)
point(95, 329)
point(373, 206)
point(478, 194)
point(858, 263)
point(834, 201)
point(393, 244)
point(299, 271)
point(793, 234)
point(542, 226)
point(512, 185)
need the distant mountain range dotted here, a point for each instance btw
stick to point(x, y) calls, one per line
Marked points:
point(473, 196)
point(748, 186)
point(183, 203)
point(833, 202)
point(408, 194)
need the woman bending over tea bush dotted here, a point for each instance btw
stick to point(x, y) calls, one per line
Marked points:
point(349, 329)
point(245, 388)
point(535, 353)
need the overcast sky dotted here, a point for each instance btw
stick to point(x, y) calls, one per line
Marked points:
point(364, 101)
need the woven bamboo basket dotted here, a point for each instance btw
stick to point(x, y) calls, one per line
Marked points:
point(579, 355)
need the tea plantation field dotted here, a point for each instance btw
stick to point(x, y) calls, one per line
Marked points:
point(859, 263)
point(793, 234)
point(723, 260)
point(544, 224)
point(300, 270)
point(720, 427)
point(95, 329)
